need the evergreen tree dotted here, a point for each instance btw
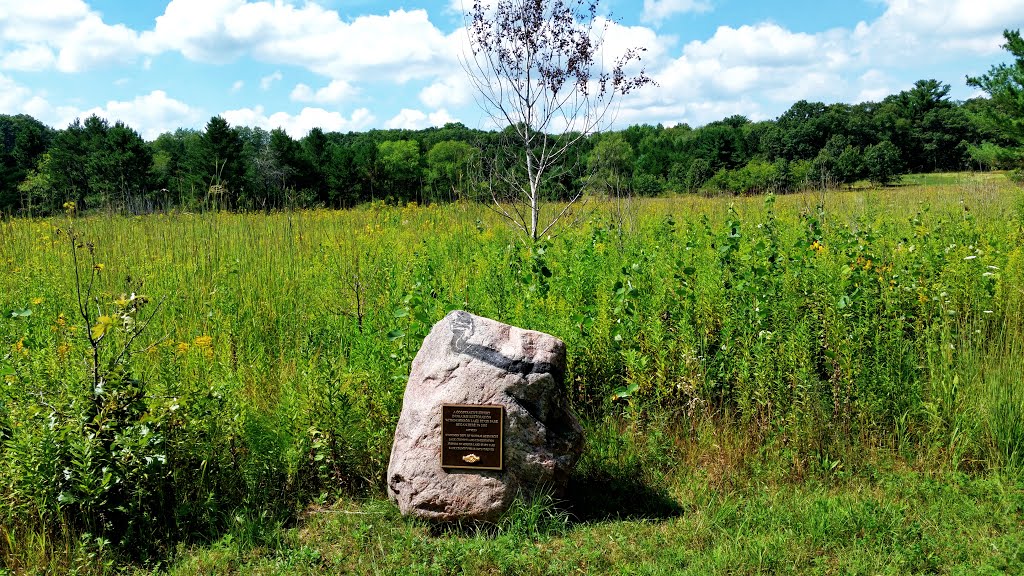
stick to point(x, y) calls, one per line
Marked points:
point(224, 169)
point(1004, 84)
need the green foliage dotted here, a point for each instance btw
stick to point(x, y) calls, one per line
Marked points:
point(37, 186)
point(1004, 83)
point(990, 156)
point(221, 161)
point(883, 163)
point(811, 145)
point(96, 165)
point(610, 164)
point(179, 169)
point(881, 321)
point(839, 162)
point(757, 177)
point(647, 185)
point(452, 167)
point(398, 164)
point(877, 522)
point(23, 141)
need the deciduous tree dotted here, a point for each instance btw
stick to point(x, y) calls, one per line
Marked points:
point(538, 68)
point(451, 166)
point(883, 162)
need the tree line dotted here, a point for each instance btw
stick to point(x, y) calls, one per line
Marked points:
point(93, 164)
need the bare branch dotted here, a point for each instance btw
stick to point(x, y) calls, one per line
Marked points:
point(538, 68)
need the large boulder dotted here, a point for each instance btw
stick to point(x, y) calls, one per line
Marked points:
point(471, 360)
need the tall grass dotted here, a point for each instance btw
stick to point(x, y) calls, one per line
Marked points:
point(272, 377)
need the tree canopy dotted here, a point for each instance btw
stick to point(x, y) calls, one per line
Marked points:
point(97, 165)
point(1002, 116)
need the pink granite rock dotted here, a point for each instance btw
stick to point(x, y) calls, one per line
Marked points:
point(468, 359)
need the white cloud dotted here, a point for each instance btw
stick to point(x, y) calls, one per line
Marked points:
point(12, 95)
point(657, 11)
point(987, 44)
point(197, 29)
point(30, 57)
point(875, 85)
point(916, 31)
point(39, 20)
point(334, 93)
point(754, 68)
point(92, 43)
point(951, 17)
point(297, 126)
point(65, 34)
point(407, 119)
point(618, 39)
point(416, 119)
point(267, 81)
point(41, 110)
point(150, 114)
point(459, 6)
point(695, 113)
point(454, 90)
point(401, 45)
point(763, 44)
point(16, 98)
point(741, 71)
point(441, 117)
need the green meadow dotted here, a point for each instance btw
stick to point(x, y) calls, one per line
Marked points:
point(815, 383)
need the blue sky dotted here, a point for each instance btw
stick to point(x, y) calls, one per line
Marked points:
point(360, 64)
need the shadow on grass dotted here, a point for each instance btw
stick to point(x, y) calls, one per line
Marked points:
point(603, 494)
point(592, 495)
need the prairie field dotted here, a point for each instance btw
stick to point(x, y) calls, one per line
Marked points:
point(821, 383)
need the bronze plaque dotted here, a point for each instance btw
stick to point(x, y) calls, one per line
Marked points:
point(471, 436)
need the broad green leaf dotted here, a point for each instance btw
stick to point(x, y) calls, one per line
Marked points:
point(625, 391)
point(103, 324)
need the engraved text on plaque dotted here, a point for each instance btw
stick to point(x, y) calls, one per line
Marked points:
point(471, 436)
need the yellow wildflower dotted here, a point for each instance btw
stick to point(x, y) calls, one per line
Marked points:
point(98, 267)
point(204, 341)
point(182, 348)
point(37, 301)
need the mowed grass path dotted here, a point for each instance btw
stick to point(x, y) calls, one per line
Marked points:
point(898, 523)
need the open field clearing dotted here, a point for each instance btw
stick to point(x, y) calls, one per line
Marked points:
point(821, 383)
